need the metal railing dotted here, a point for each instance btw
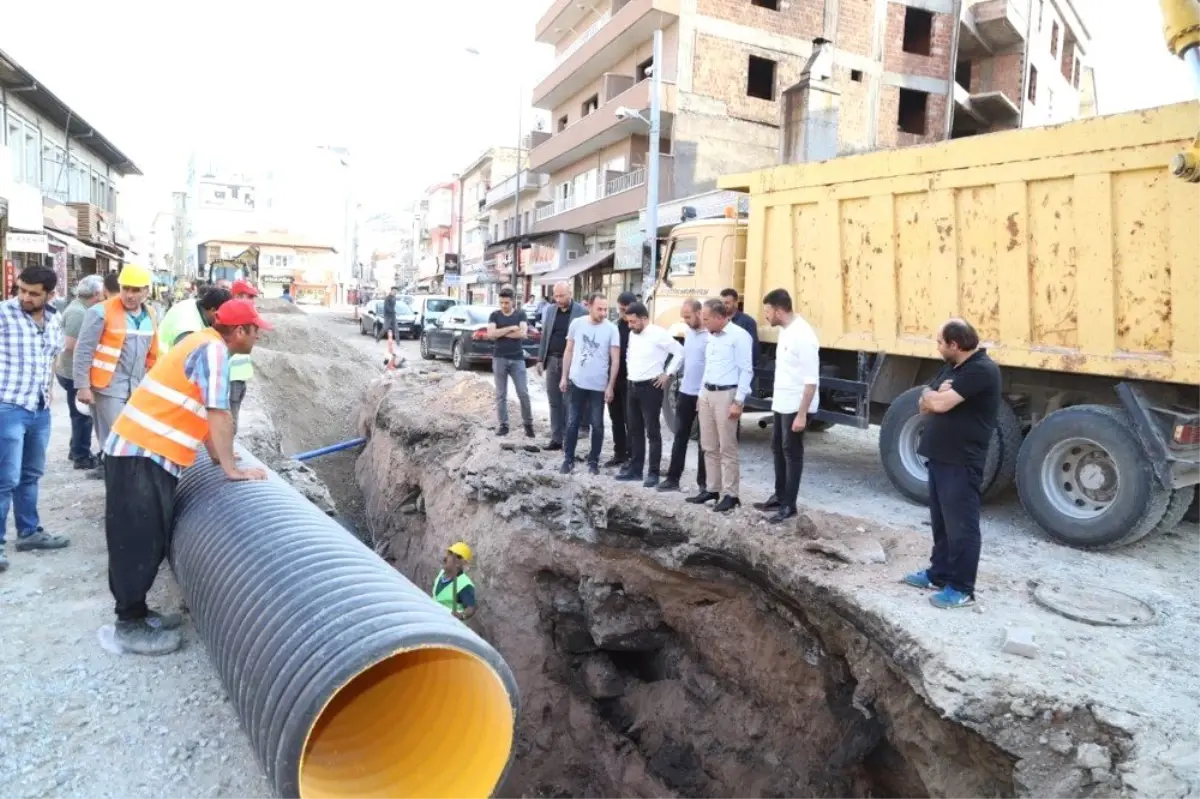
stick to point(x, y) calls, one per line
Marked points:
point(630, 180)
point(586, 37)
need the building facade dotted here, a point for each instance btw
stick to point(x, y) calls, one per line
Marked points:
point(60, 185)
point(438, 215)
point(908, 72)
point(308, 268)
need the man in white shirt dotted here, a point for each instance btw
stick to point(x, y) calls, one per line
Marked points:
point(690, 384)
point(797, 379)
point(728, 370)
point(653, 358)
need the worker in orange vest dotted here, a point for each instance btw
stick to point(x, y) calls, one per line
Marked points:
point(181, 405)
point(117, 345)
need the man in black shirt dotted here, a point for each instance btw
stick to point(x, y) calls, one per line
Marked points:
point(556, 320)
point(731, 301)
point(616, 409)
point(961, 403)
point(389, 314)
point(507, 327)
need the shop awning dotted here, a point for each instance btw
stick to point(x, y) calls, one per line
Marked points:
point(74, 246)
point(576, 267)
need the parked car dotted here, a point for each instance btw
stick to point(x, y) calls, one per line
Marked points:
point(460, 334)
point(427, 307)
point(370, 320)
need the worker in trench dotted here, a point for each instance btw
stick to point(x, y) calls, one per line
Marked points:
point(452, 588)
point(117, 345)
point(182, 404)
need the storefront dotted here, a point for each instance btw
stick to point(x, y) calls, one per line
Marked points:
point(588, 274)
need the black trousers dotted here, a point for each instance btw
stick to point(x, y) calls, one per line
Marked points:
point(788, 448)
point(617, 414)
point(954, 516)
point(139, 516)
point(645, 425)
point(685, 419)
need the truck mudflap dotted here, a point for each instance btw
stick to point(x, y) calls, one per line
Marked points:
point(1170, 436)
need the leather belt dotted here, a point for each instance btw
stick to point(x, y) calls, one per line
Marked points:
point(712, 387)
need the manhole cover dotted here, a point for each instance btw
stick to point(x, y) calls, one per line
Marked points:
point(1093, 604)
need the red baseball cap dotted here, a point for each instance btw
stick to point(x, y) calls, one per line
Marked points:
point(242, 287)
point(240, 312)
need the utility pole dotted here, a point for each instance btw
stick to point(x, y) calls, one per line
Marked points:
point(179, 233)
point(459, 246)
point(651, 273)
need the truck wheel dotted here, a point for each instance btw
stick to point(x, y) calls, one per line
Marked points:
point(1192, 514)
point(670, 400)
point(1177, 509)
point(1084, 479)
point(900, 434)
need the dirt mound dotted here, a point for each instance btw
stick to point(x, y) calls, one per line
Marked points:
point(276, 305)
point(664, 650)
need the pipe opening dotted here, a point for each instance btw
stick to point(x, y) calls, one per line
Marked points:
point(429, 722)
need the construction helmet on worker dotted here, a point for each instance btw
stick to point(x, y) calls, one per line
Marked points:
point(452, 588)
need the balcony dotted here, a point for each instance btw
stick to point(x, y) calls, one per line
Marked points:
point(597, 50)
point(992, 26)
point(622, 197)
point(602, 127)
point(989, 109)
point(530, 183)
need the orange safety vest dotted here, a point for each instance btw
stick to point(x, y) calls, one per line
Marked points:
point(112, 341)
point(166, 414)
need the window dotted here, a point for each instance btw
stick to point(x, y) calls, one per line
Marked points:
point(683, 258)
point(1031, 89)
point(856, 75)
point(1041, 8)
point(589, 105)
point(1053, 39)
point(760, 79)
point(645, 69)
point(912, 111)
point(15, 129)
point(54, 182)
point(918, 31)
point(1075, 76)
point(962, 74)
point(771, 4)
point(32, 158)
point(562, 123)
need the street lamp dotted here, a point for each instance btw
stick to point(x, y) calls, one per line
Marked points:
point(516, 264)
point(650, 273)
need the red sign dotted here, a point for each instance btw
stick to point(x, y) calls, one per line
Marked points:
point(10, 276)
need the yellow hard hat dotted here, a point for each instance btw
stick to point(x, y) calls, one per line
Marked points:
point(134, 276)
point(462, 550)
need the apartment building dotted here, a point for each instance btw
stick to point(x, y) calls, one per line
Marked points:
point(480, 276)
point(438, 214)
point(60, 184)
point(908, 72)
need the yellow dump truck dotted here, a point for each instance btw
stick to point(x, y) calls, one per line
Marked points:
point(1072, 249)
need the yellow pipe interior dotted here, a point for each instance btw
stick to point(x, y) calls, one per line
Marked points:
point(428, 722)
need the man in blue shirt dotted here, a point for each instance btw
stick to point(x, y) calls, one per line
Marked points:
point(688, 397)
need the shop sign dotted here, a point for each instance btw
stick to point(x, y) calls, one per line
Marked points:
point(629, 243)
point(18, 241)
point(59, 216)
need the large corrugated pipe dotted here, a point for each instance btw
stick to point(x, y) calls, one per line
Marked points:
point(349, 680)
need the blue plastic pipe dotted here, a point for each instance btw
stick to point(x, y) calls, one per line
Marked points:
point(332, 448)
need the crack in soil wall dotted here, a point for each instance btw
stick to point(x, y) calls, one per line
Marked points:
point(659, 651)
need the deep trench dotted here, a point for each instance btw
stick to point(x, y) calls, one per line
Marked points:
point(621, 702)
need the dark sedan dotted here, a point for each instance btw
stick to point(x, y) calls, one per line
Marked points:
point(460, 334)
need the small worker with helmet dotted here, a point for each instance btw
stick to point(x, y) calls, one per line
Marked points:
point(117, 345)
point(241, 368)
point(453, 589)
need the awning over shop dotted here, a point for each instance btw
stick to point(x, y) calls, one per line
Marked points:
point(74, 246)
point(575, 267)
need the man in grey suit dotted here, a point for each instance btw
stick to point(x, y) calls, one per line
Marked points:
point(556, 319)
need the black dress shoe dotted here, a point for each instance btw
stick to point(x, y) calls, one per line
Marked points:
point(616, 460)
point(783, 514)
point(554, 445)
point(727, 503)
point(593, 468)
point(629, 477)
point(651, 481)
point(670, 484)
point(566, 468)
point(702, 497)
point(502, 430)
point(771, 504)
point(529, 431)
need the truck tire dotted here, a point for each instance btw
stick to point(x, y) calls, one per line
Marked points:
point(1192, 514)
point(1084, 479)
point(670, 400)
point(1177, 508)
point(900, 433)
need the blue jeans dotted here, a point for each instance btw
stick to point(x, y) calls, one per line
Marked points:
point(23, 439)
point(954, 516)
point(81, 424)
point(584, 404)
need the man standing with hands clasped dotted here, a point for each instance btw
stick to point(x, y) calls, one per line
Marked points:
point(653, 358)
point(961, 405)
point(506, 327)
point(797, 375)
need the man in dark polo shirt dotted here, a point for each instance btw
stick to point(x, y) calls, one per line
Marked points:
point(556, 320)
point(961, 402)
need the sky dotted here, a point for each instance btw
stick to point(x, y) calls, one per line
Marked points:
point(393, 82)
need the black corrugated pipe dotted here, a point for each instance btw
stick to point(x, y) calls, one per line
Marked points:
point(349, 680)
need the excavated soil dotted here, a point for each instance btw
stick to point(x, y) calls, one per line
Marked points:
point(662, 650)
